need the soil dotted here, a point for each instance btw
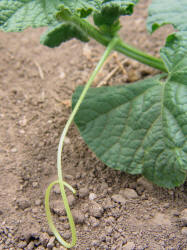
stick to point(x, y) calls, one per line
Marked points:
point(112, 210)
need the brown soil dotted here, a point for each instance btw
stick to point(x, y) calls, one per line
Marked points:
point(36, 84)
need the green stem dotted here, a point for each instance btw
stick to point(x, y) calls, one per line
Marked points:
point(121, 47)
point(60, 181)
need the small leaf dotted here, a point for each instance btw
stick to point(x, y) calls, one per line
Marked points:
point(17, 15)
point(138, 128)
point(106, 12)
point(163, 12)
point(62, 32)
point(111, 10)
point(174, 54)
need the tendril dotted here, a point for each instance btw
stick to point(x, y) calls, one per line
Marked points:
point(60, 181)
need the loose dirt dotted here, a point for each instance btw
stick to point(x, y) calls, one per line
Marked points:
point(112, 210)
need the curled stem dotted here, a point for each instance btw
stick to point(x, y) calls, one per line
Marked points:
point(60, 181)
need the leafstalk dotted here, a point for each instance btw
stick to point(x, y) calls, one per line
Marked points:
point(121, 46)
point(60, 181)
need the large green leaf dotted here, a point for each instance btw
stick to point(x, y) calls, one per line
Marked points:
point(62, 32)
point(138, 128)
point(163, 12)
point(17, 15)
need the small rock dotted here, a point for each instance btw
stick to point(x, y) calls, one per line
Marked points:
point(71, 200)
point(129, 246)
point(184, 231)
point(118, 198)
point(1, 212)
point(176, 213)
point(183, 217)
point(92, 196)
point(40, 248)
point(51, 243)
point(96, 210)
point(14, 150)
point(23, 122)
point(67, 140)
point(166, 205)
point(161, 219)
point(94, 222)
point(78, 217)
point(110, 220)
point(30, 246)
point(69, 177)
point(95, 243)
point(44, 239)
point(22, 244)
point(23, 203)
point(145, 183)
point(35, 184)
point(56, 189)
point(109, 230)
point(38, 202)
point(67, 235)
point(58, 208)
point(83, 192)
point(129, 193)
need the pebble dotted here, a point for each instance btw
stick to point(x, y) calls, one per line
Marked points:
point(83, 192)
point(67, 235)
point(118, 198)
point(93, 221)
point(56, 189)
point(71, 200)
point(184, 231)
point(35, 184)
point(129, 246)
point(44, 239)
point(51, 243)
point(38, 202)
point(23, 203)
point(95, 243)
point(30, 246)
point(22, 244)
point(109, 230)
point(129, 193)
point(145, 183)
point(96, 210)
point(92, 196)
point(79, 217)
point(161, 219)
point(14, 150)
point(57, 207)
point(183, 217)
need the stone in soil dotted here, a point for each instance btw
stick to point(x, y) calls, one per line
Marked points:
point(118, 198)
point(78, 216)
point(83, 192)
point(183, 217)
point(129, 246)
point(96, 210)
point(184, 231)
point(129, 193)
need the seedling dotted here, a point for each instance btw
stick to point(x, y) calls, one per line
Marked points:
point(139, 128)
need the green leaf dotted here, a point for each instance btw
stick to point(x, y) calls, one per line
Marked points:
point(174, 54)
point(163, 12)
point(17, 15)
point(110, 11)
point(62, 32)
point(139, 128)
point(106, 12)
